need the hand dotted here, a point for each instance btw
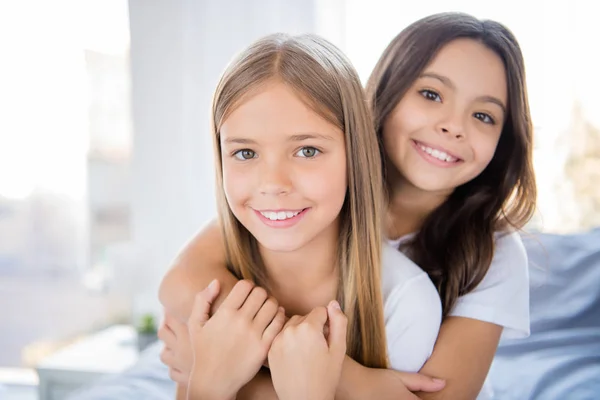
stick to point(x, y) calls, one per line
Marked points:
point(177, 350)
point(418, 382)
point(399, 385)
point(360, 382)
point(230, 347)
point(304, 364)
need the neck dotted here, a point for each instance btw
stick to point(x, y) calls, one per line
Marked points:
point(307, 277)
point(409, 207)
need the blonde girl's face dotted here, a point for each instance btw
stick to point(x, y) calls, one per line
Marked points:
point(284, 169)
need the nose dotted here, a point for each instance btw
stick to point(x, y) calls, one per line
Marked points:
point(275, 179)
point(452, 125)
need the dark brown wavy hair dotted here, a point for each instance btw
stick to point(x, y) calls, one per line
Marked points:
point(455, 245)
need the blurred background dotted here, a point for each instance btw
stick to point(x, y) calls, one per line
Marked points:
point(106, 165)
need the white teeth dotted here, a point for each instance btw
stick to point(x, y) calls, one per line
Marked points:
point(280, 215)
point(440, 155)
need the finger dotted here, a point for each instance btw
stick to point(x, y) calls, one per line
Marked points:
point(202, 303)
point(338, 324)
point(293, 321)
point(274, 327)
point(267, 312)
point(236, 298)
point(166, 335)
point(212, 290)
point(254, 302)
point(420, 383)
point(317, 317)
point(174, 325)
point(167, 357)
point(178, 376)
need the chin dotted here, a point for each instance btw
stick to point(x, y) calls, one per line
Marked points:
point(430, 183)
point(281, 244)
point(435, 188)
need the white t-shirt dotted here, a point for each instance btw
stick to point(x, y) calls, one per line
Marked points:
point(502, 297)
point(412, 311)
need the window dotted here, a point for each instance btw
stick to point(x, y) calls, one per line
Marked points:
point(65, 134)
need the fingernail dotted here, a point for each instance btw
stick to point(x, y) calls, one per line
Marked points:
point(438, 381)
point(212, 284)
point(281, 309)
point(335, 304)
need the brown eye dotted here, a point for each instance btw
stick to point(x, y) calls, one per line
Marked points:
point(431, 95)
point(485, 118)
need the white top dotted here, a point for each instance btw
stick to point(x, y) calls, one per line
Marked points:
point(502, 297)
point(412, 311)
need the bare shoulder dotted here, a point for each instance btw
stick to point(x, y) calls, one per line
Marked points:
point(197, 263)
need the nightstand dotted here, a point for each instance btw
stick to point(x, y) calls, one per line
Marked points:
point(110, 351)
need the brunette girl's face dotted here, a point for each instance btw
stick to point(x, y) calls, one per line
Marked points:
point(444, 131)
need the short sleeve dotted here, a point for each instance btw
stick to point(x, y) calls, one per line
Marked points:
point(412, 317)
point(502, 297)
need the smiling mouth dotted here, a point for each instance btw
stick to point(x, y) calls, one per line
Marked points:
point(437, 154)
point(280, 215)
point(281, 218)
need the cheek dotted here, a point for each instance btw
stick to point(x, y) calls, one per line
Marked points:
point(485, 150)
point(326, 184)
point(404, 119)
point(236, 184)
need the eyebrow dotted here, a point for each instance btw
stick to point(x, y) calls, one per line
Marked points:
point(446, 81)
point(235, 140)
point(294, 138)
point(494, 100)
point(305, 136)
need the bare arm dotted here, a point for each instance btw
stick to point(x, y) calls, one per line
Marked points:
point(198, 263)
point(462, 356)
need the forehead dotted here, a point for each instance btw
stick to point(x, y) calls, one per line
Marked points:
point(472, 67)
point(274, 108)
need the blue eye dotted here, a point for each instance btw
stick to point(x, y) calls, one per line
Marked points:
point(244, 154)
point(307, 152)
point(485, 118)
point(431, 95)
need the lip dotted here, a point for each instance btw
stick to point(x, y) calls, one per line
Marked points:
point(286, 223)
point(432, 160)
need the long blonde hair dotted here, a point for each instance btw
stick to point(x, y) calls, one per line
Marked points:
point(322, 77)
